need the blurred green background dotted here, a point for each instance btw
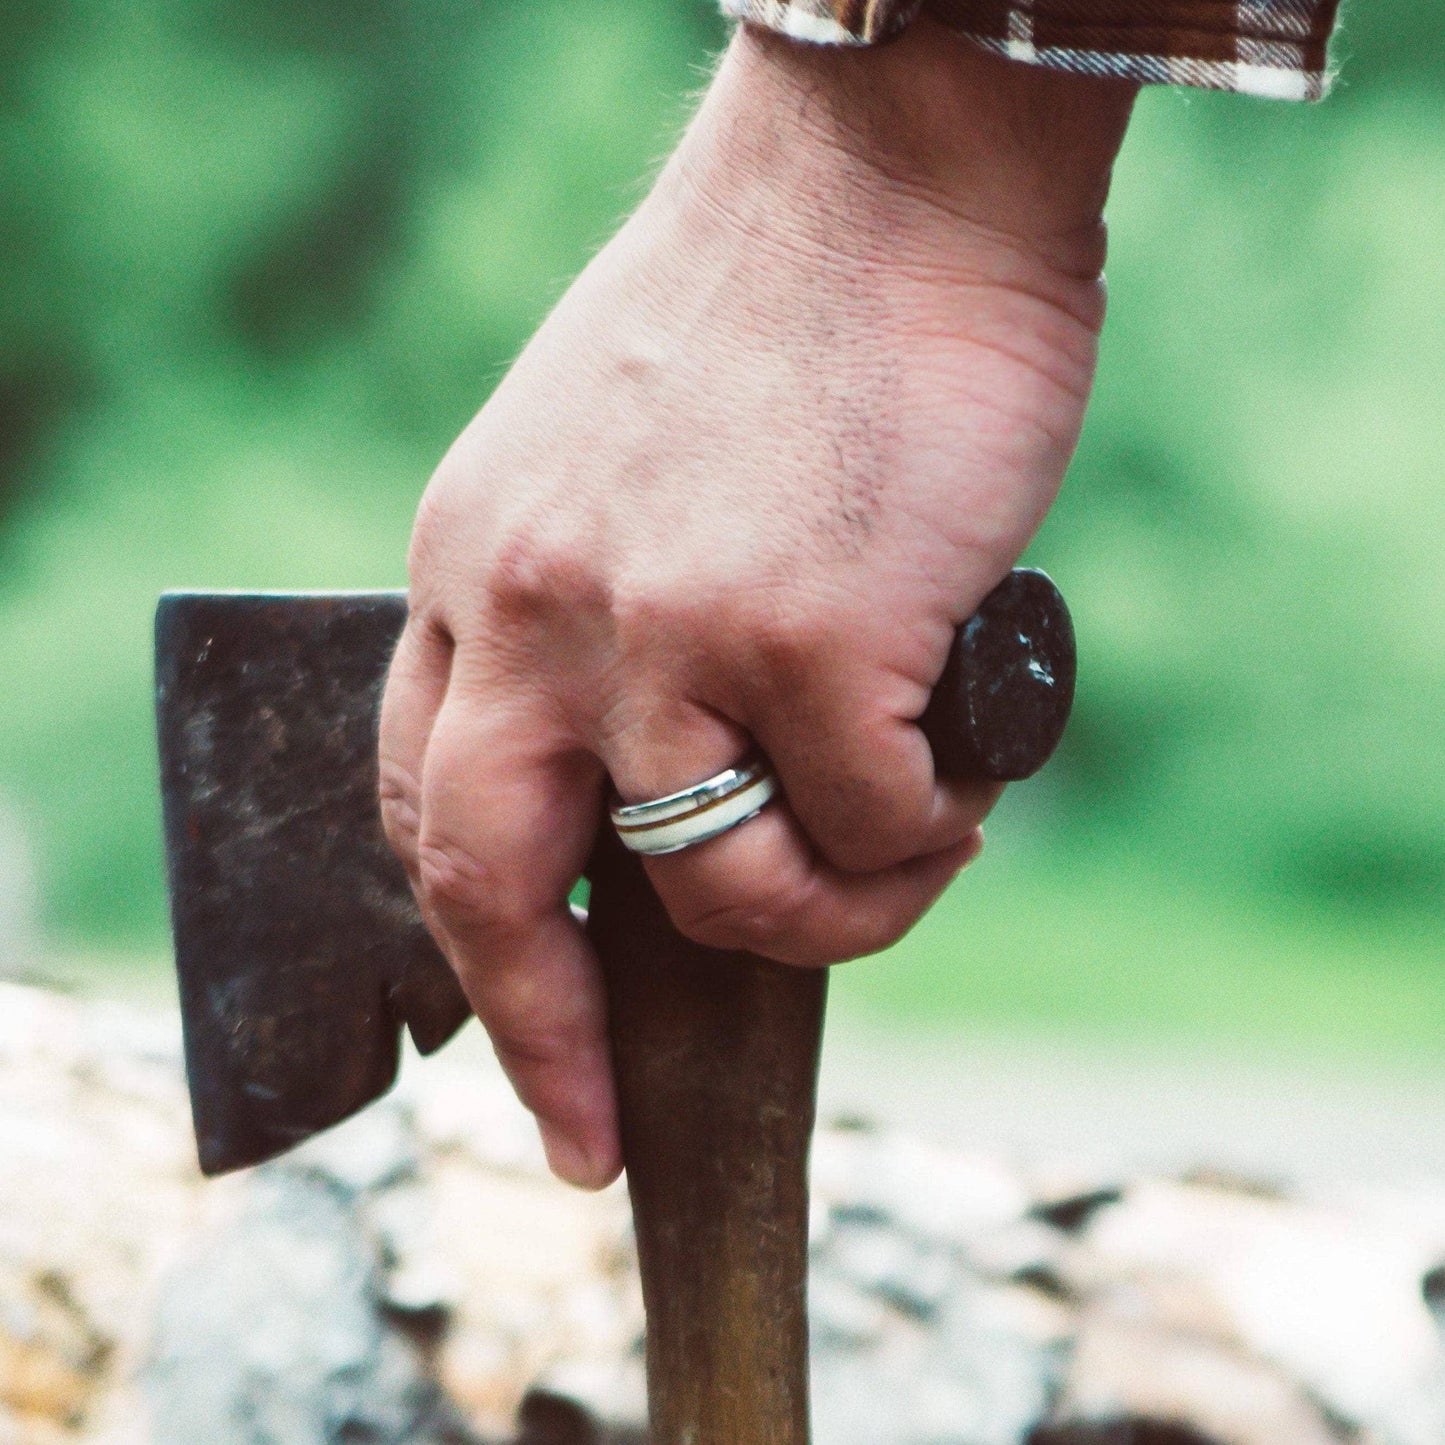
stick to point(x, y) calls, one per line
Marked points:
point(263, 259)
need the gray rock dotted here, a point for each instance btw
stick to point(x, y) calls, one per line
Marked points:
point(366, 1154)
point(271, 1335)
point(911, 1404)
point(841, 1316)
point(981, 1371)
point(914, 1275)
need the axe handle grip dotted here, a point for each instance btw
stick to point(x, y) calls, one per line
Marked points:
point(716, 1060)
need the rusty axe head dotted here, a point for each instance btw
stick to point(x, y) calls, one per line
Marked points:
point(300, 951)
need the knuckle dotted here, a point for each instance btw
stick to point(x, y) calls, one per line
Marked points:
point(864, 850)
point(399, 797)
point(874, 934)
point(790, 641)
point(787, 926)
point(533, 1046)
point(644, 614)
point(862, 816)
point(430, 529)
point(758, 919)
point(848, 939)
point(536, 575)
point(456, 880)
point(453, 878)
point(647, 604)
point(663, 630)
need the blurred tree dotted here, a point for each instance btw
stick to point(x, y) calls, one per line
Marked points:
point(265, 257)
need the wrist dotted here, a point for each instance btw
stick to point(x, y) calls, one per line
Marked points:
point(919, 139)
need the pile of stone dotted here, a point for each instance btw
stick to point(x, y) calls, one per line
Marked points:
point(416, 1277)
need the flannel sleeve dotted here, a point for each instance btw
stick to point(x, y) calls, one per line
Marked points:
point(1274, 48)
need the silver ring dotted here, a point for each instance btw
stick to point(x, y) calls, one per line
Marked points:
point(692, 816)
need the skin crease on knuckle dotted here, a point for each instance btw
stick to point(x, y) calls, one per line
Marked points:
point(451, 880)
point(479, 898)
point(400, 810)
point(541, 579)
point(761, 921)
point(794, 933)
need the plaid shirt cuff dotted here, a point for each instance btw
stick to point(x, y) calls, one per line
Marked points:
point(1274, 48)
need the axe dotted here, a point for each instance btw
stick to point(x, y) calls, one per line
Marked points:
point(301, 957)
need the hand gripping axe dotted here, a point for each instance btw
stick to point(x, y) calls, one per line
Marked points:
point(301, 956)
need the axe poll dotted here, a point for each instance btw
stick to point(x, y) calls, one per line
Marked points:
point(301, 957)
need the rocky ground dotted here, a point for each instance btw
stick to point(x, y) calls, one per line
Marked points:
point(416, 1277)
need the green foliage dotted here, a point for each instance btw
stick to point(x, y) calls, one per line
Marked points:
point(265, 257)
point(1053, 952)
point(1251, 530)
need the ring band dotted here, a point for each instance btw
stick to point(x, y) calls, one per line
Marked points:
point(692, 816)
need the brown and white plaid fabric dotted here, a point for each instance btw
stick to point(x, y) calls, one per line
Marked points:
point(1274, 48)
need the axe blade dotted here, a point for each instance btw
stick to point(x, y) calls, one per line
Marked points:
point(300, 951)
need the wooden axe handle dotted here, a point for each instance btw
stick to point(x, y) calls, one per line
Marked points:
point(716, 1059)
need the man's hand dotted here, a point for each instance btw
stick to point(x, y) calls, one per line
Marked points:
point(774, 445)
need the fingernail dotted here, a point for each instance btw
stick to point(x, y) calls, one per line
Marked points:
point(971, 848)
point(570, 1162)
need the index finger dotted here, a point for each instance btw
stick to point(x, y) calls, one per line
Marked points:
point(508, 811)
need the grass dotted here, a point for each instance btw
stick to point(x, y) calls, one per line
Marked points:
point(1131, 959)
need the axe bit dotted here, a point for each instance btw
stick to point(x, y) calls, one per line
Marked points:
point(301, 956)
